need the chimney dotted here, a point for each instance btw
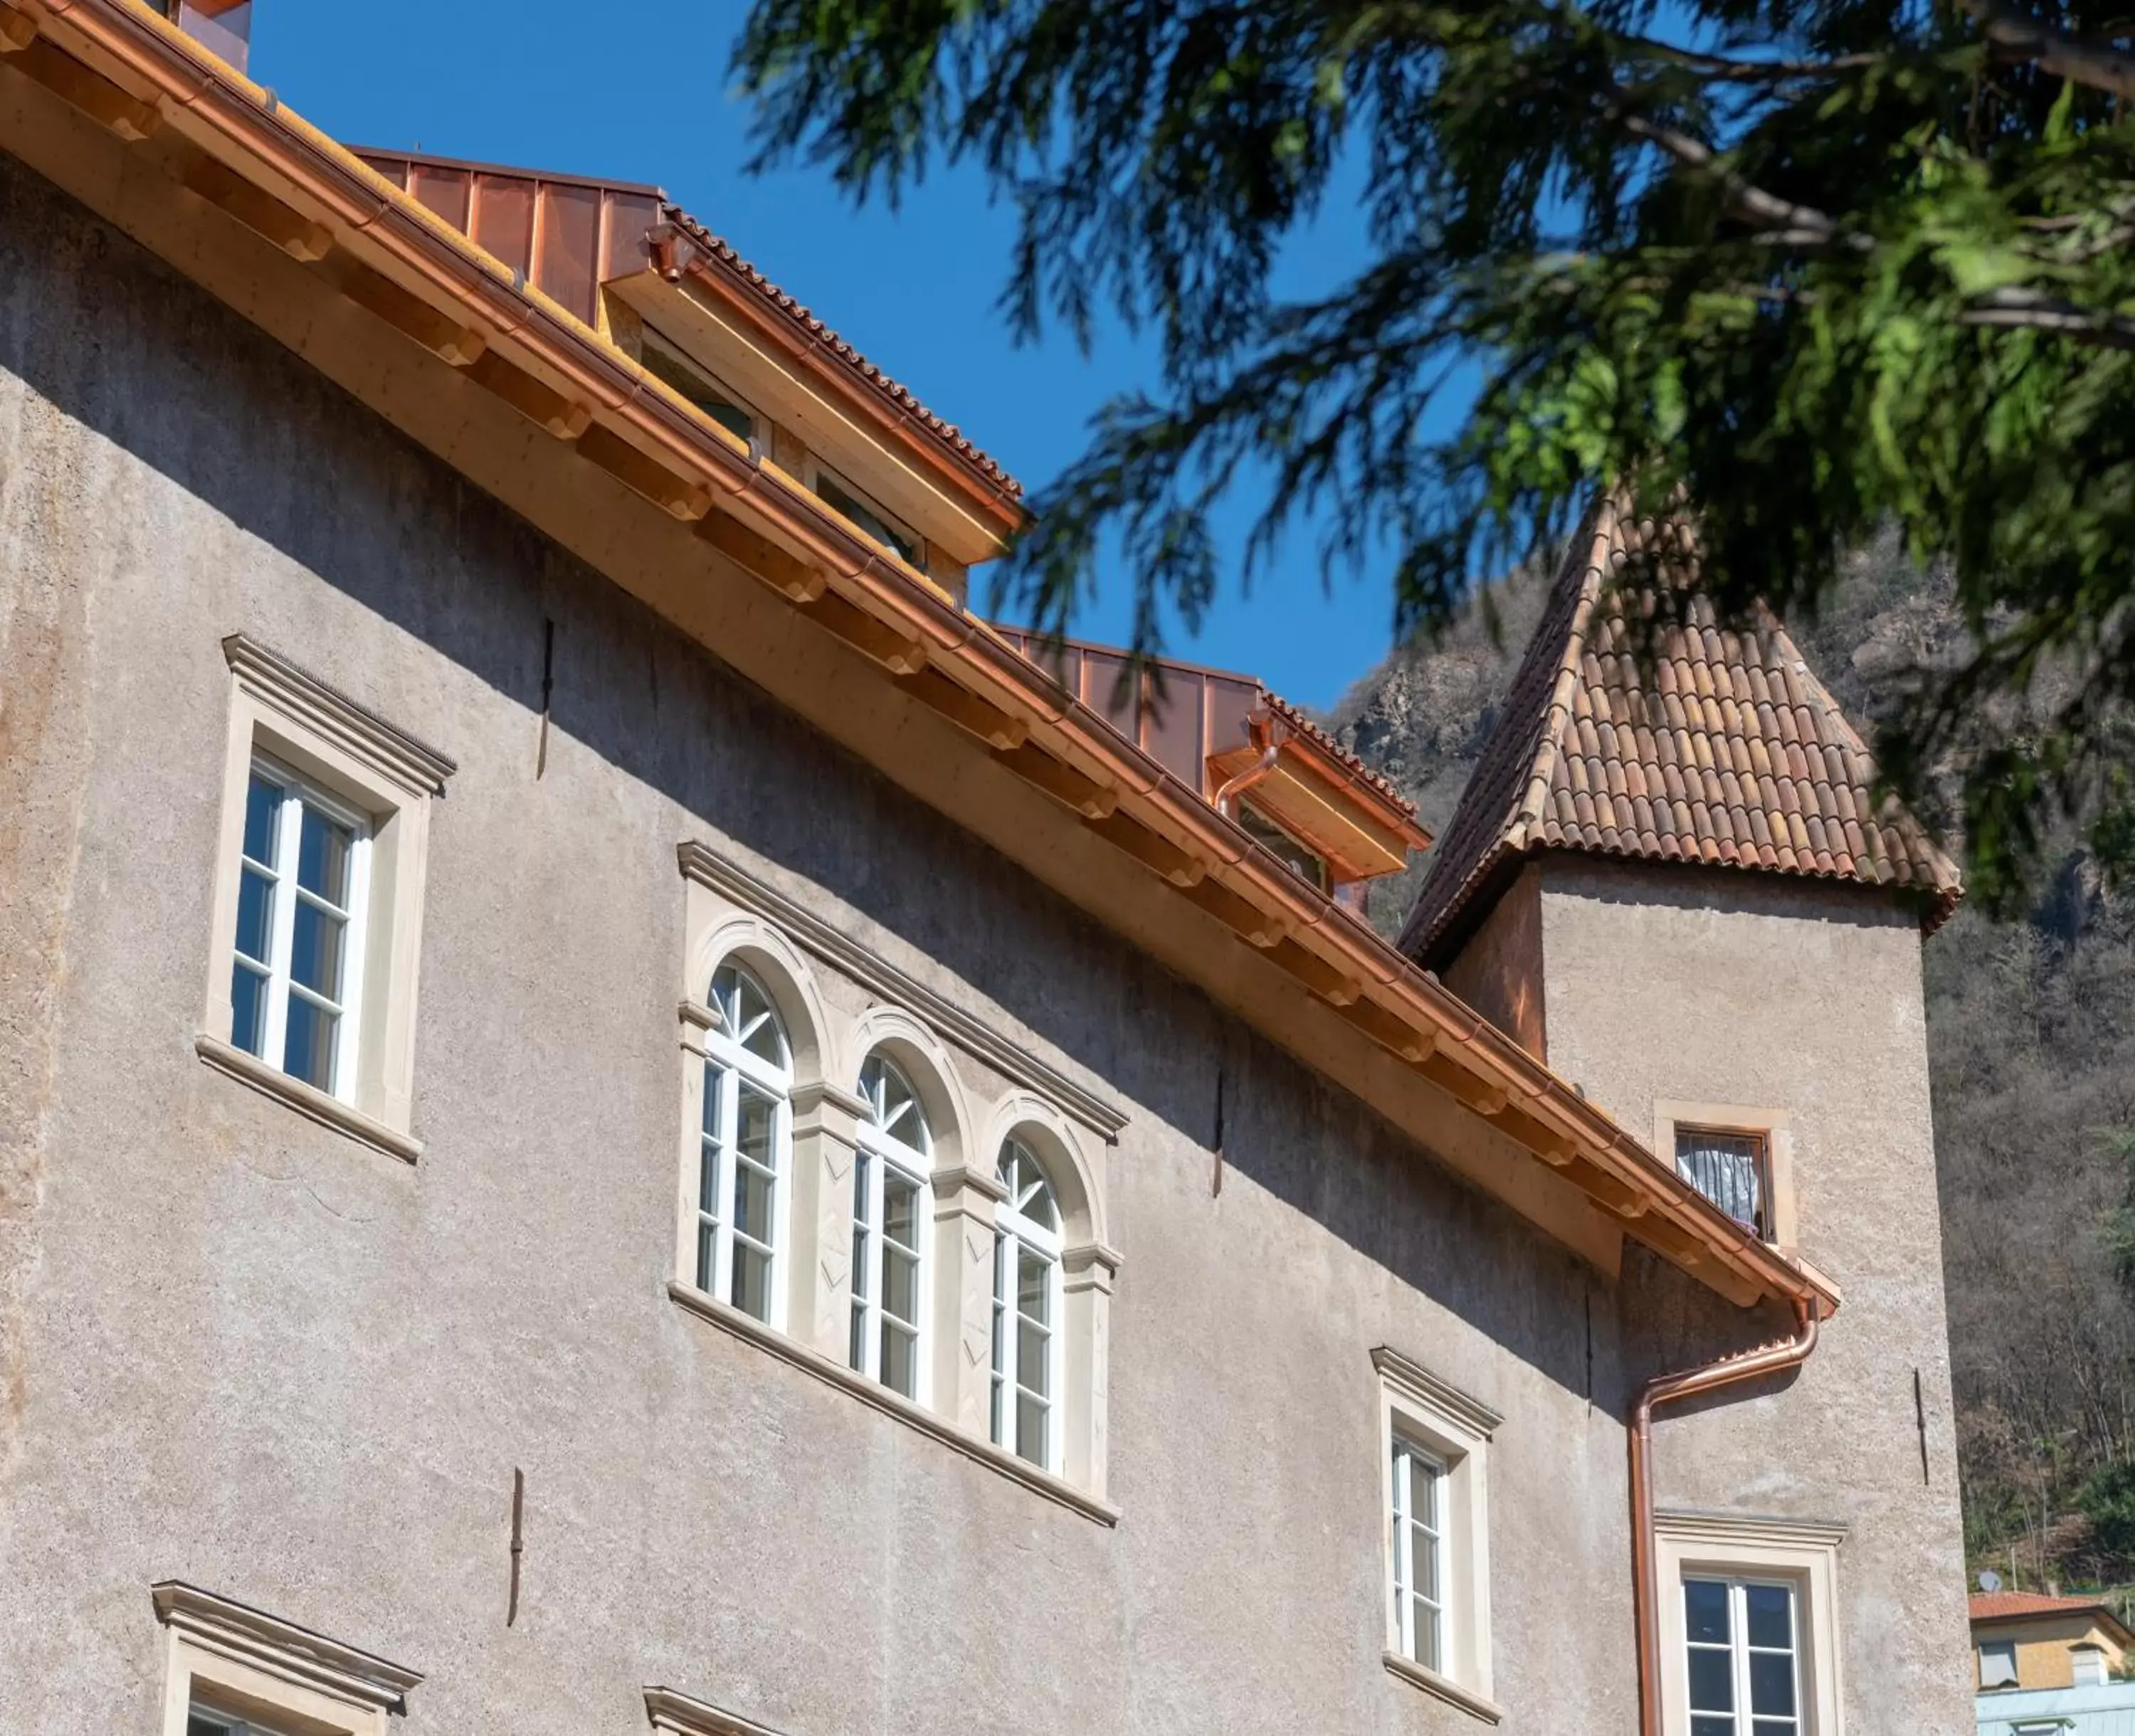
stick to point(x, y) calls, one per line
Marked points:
point(2087, 1663)
point(224, 27)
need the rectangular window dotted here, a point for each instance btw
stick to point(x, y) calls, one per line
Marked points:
point(297, 976)
point(886, 1261)
point(844, 498)
point(1418, 1542)
point(1743, 1657)
point(1997, 1664)
point(201, 1722)
point(1306, 864)
point(1732, 1169)
point(667, 362)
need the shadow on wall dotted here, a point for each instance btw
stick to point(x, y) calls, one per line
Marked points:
point(120, 342)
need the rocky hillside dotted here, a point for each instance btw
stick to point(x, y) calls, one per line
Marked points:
point(2031, 1030)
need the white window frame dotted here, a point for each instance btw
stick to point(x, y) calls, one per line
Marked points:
point(1406, 1523)
point(1435, 1420)
point(261, 1674)
point(299, 793)
point(726, 1060)
point(818, 472)
point(352, 762)
point(876, 1152)
point(1014, 1234)
point(1801, 1553)
point(1740, 1651)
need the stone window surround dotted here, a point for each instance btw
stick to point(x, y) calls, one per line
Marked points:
point(282, 711)
point(1774, 1126)
point(1802, 1552)
point(231, 1659)
point(673, 1714)
point(730, 914)
point(1417, 1404)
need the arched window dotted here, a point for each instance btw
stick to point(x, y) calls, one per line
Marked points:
point(1027, 1314)
point(747, 1138)
point(889, 1191)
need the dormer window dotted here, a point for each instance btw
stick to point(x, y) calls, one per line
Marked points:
point(1732, 1169)
point(1308, 865)
point(841, 497)
point(667, 362)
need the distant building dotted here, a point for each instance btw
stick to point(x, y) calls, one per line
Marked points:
point(2095, 1708)
point(2022, 1641)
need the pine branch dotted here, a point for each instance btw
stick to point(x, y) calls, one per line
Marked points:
point(2083, 59)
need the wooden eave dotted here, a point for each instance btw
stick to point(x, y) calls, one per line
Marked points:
point(1320, 803)
point(168, 112)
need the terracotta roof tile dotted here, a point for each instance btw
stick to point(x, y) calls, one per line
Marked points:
point(1721, 748)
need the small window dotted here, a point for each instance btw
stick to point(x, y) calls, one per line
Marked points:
point(1027, 1311)
point(841, 497)
point(890, 1171)
point(1742, 1655)
point(296, 985)
point(667, 362)
point(1306, 865)
point(1732, 1169)
point(1997, 1664)
point(201, 1722)
point(746, 1147)
point(1418, 1552)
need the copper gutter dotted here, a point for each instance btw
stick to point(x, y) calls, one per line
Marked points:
point(1673, 1390)
point(1328, 949)
point(1271, 756)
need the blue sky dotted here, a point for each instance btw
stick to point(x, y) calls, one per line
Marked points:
point(637, 91)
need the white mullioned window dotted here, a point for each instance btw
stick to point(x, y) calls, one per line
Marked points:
point(746, 1144)
point(1742, 1655)
point(1027, 1311)
point(1417, 1554)
point(296, 984)
point(890, 1169)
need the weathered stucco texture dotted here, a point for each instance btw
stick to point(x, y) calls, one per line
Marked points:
point(1767, 993)
point(258, 1356)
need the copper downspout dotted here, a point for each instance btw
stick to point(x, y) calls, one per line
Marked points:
point(1673, 1390)
point(1269, 753)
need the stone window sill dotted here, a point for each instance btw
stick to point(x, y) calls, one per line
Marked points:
point(1418, 1676)
point(752, 1331)
point(307, 1101)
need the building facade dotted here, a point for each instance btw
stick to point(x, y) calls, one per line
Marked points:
point(617, 1115)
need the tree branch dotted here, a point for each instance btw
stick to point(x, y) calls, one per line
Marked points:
point(1726, 69)
point(2080, 58)
point(1748, 200)
point(2029, 310)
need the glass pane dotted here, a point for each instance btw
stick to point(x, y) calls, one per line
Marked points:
point(1775, 1727)
point(753, 1192)
point(760, 1034)
point(1727, 1168)
point(1034, 1296)
point(198, 1724)
point(315, 952)
point(1712, 1681)
point(900, 1359)
point(999, 1410)
point(860, 1265)
point(1712, 1726)
point(1031, 1363)
point(751, 1281)
point(900, 1211)
point(715, 1087)
point(900, 1284)
point(1771, 1617)
point(754, 1117)
point(708, 1179)
point(1032, 1417)
point(894, 1104)
point(860, 1335)
point(263, 805)
point(861, 1162)
point(707, 1240)
point(1705, 1610)
point(255, 914)
point(1426, 1634)
point(248, 1006)
point(308, 1049)
point(1423, 1562)
point(1422, 1492)
point(322, 858)
point(1772, 1682)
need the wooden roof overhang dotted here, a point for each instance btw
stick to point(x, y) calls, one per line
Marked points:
point(292, 230)
point(1316, 798)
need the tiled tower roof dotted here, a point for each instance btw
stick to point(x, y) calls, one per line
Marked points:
point(1725, 750)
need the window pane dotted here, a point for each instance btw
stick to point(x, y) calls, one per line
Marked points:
point(308, 1050)
point(255, 914)
point(754, 1117)
point(322, 858)
point(1426, 1634)
point(752, 1202)
point(1775, 1727)
point(859, 1346)
point(900, 1359)
point(707, 1247)
point(1033, 1298)
point(1771, 1617)
point(1712, 1681)
point(248, 1006)
point(263, 805)
point(315, 952)
point(1772, 1682)
point(751, 1281)
point(1705, 1610)
point(1423, 1561)
point(1727, 1168)
point(900, 1285)
point(198, 1724)
point(1423, 1493)
point(1032, 1416)
point(715, 1087)
point(900, 1211)
point(1032, 1343)
point(1712, 1726)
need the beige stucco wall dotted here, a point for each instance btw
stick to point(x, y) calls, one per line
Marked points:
point(2045, 1647)
point(1790, 996)
point(244, 1351)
